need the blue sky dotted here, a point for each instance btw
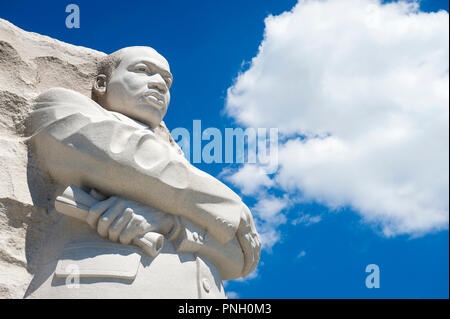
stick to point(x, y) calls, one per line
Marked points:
point(207, 44)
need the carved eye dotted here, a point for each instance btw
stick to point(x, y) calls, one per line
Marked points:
point(141, 68)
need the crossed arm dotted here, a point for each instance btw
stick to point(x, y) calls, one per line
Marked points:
point(83, 145)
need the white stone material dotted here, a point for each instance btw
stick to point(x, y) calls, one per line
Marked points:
point(138, 221)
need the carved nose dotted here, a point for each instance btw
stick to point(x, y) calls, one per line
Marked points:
point(157, 82)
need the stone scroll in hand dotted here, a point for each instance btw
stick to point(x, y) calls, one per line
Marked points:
point(76, 203)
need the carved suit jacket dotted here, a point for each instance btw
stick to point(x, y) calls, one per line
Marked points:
point(78, 142)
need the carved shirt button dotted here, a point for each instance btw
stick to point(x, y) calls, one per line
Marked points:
point(206, 285)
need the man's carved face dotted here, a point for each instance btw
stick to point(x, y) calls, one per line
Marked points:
point(139, 86)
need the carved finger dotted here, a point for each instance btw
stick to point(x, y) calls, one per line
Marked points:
point(108, 218)
point(176, 229)
point(257, 247)
point(258, 238)
point(96, 194)
point(253, 244)
point(97, 210)
point(119, 224)
point(248, 254)
point(256, 251)
point(135, 227)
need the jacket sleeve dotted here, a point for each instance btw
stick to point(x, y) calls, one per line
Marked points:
point(79, 143)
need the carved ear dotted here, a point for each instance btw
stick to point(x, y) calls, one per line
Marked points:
point(100, 83)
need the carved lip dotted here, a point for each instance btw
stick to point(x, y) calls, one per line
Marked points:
point(152, 93)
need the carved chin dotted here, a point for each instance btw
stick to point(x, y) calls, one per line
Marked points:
point(150, 114)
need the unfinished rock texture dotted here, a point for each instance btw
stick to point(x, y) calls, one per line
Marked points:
point(29, 64)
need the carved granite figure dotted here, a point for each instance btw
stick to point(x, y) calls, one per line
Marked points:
point(131, 184)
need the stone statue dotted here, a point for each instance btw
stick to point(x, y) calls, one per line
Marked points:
point(147, 223)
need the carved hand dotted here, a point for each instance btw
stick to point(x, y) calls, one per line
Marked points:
point(122, 220)
point(249, 241)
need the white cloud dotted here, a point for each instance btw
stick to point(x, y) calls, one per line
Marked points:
point(269, 209)
point(269, 236)
point(306, 220)
point(250, 179)
point(232, 295)
point(269, 215)
point(301, 254)
point(366, 84)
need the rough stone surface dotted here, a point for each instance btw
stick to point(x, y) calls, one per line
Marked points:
point(29, 64)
